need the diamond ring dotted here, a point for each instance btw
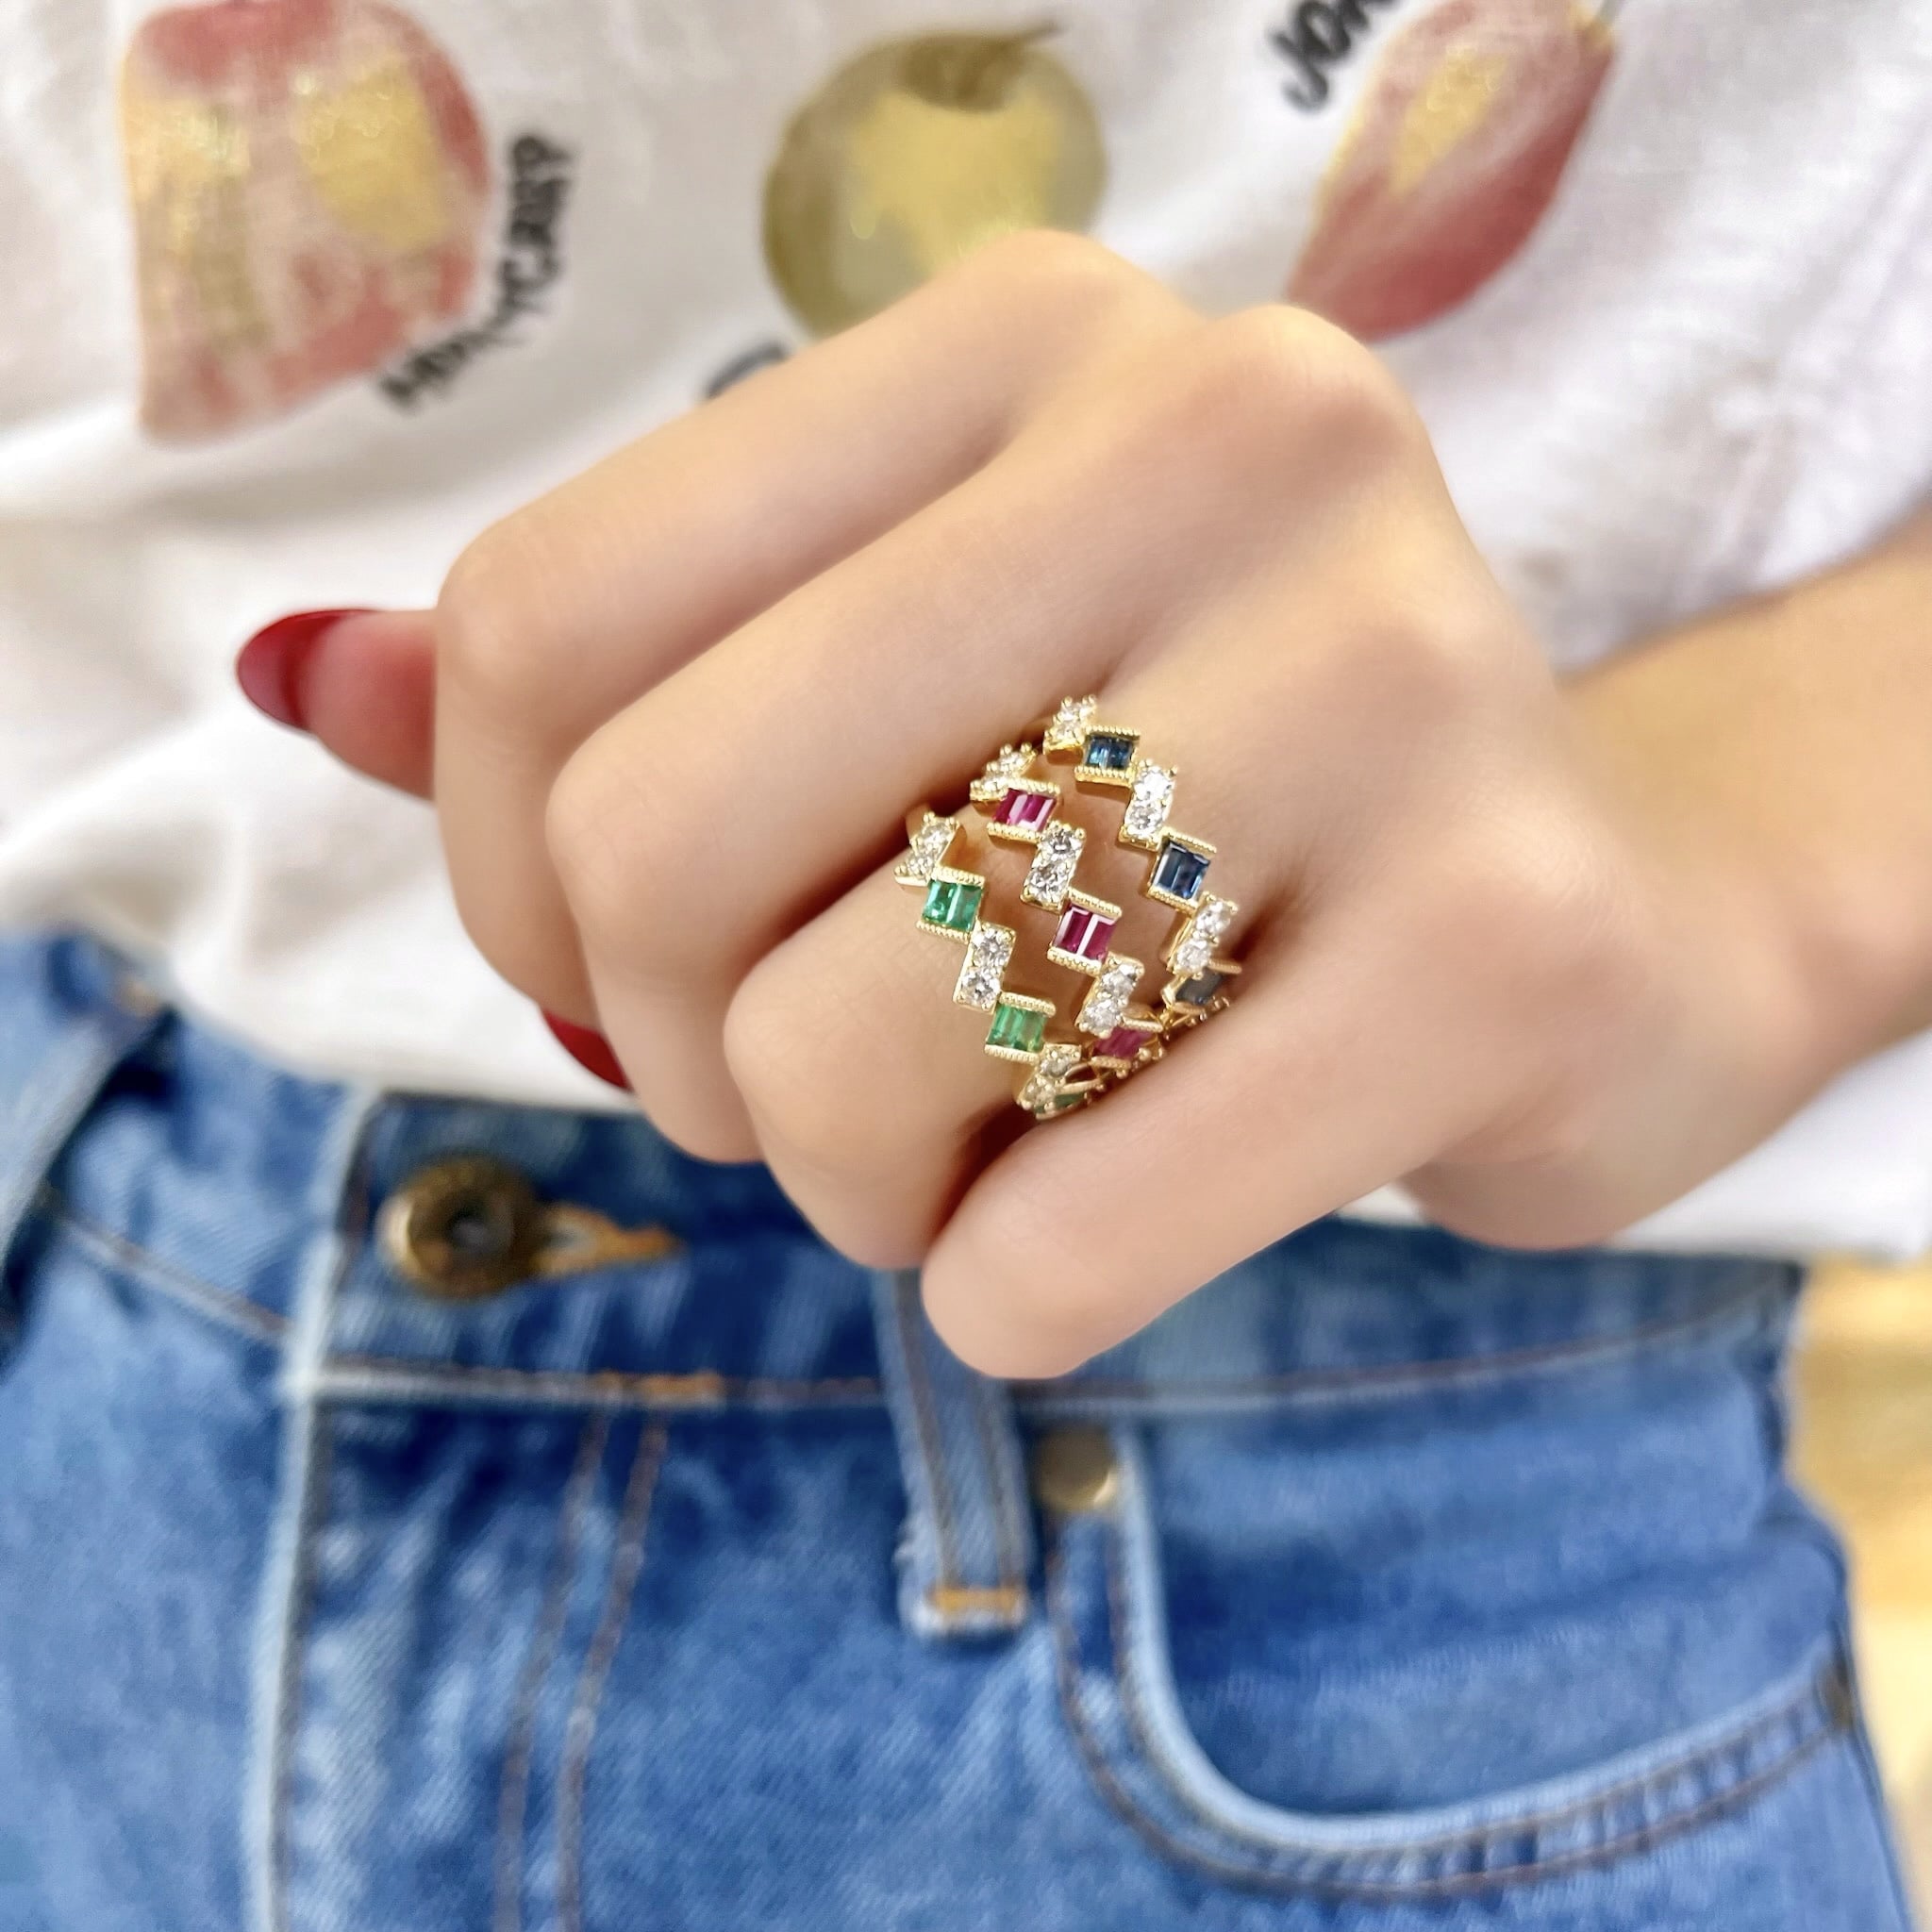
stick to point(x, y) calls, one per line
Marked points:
point(1115, 1035)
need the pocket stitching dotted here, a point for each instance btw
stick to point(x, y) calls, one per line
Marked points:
point(1120, 1617)
point(1259, 1876)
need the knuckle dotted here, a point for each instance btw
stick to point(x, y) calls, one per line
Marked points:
point(1404, 683)
point(493, 622)
point(1036, 268)
point(1284, 378)
point(768, 1047)
point(1561, 926)
point(616, 887)
point(1434, 660)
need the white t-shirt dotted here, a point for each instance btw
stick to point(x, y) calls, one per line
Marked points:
point(301, 293)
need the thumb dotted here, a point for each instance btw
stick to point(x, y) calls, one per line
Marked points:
point(363, 682)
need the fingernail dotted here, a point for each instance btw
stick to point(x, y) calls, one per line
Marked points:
point(589, 1048)
point(269, 666)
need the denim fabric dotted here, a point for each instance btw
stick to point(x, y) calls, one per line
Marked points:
point(1421, 1585)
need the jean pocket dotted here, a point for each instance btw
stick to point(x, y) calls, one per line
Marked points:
point(1162, 1751)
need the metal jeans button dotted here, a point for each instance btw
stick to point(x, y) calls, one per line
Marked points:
point(464, 1229)
point(1075, 1472)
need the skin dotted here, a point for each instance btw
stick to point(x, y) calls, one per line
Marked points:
point(1550, 953)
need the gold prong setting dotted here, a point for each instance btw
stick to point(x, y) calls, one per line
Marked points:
point(989, 952)
point(1013, 761)
point(1066, 730)
point(929, 845)
point(1056, 858)
point(1151, 798)
point(1200, 937)
point(1106, 1004)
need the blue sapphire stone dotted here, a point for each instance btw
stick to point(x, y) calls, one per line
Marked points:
point(1199, 991)
point(1178, 872)
point(1108, 751)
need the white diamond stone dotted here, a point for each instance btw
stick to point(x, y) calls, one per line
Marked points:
point(988, 950)
point(1055, 860)
point(1202, 935)
point(930, 844)
point(1051, 1067)
point(1068, 726)
point(1106, 1006)
point(1147, 810)
point(1014, 762)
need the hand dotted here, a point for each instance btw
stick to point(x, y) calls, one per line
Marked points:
point(683, 703)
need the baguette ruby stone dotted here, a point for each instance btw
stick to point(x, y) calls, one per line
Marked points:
point(1123, 1043)
point(1083, 934)
point(1025, 811)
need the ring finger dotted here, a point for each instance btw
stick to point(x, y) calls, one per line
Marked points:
point(873, 1100)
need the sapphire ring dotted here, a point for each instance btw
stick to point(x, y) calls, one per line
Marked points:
point(1114, 1033)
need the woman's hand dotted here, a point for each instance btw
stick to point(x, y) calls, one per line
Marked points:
point(683, 705)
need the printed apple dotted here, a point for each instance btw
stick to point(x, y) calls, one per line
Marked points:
point(308, 182)
point(916, 154)
point(1469, 120)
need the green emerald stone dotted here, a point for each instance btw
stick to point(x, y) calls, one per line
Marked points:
point(953, 903)
point(1018, 1030)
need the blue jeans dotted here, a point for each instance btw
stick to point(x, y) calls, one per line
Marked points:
point(420, 1514)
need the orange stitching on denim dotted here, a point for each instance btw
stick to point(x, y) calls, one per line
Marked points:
point(699, 1388)
point(1005, 1600)
point(1072, 1389)
point(1165, 1845)
point(124, 1256)
point(580, 1728)
point(513, 1794)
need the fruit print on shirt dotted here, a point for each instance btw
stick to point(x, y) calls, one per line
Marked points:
point(308, 180)
point(917, 153)
point(1460, 132)
point(1457, 145)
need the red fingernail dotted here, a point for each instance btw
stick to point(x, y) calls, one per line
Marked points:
point(269, 666)
point(589, 1048)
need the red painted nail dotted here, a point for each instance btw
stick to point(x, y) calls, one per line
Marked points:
point(589, 1048)
point(269, 667)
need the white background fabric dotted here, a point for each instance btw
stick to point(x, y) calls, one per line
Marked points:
point(1709, 371)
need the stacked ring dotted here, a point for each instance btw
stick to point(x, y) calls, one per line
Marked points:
point(1020, 805)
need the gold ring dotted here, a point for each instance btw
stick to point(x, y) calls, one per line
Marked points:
point(1020, 805)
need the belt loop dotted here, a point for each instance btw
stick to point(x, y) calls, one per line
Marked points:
point(967, 1546)
point(70, 1014)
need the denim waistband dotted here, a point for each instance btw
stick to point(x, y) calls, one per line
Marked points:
point(190, 1162)
point(205, 1160)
